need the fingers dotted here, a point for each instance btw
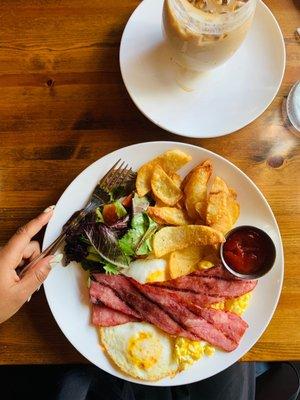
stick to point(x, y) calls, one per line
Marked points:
point(24, 234)
point(33, 278)
point(31, 251)
point(12, 252)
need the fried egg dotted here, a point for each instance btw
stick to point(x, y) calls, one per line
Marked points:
point(140, 350)
point(145, 271)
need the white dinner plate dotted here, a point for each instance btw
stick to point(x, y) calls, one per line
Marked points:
point(224, 100)
point(66, 288)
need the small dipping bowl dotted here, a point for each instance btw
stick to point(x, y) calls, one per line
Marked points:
point(248, 252)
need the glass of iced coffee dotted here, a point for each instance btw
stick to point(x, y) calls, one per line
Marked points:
point(203, 34)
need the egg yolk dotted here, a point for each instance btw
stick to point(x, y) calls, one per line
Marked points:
point(144, 350)
point(205, 264)
point(156, 276)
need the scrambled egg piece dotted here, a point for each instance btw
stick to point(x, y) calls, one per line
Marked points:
point(238, 305)
point(209, 350)
point(218, 306)
point(188, 351)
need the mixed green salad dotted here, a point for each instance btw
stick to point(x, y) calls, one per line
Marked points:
point(113, 235)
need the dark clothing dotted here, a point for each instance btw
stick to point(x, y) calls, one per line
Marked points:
point(276, 381)
point(89, 383)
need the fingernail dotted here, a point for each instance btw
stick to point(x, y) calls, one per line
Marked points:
point(28, 299)
point(48, 209)
point(56, 259)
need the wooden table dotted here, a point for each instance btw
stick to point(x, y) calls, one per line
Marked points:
point(63, 105)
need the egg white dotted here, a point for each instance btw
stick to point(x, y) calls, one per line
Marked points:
point(155, 356)
point(152, 270)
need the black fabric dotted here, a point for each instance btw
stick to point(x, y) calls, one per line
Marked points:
point(281, 382)
point(235, 383)
point(56, 382)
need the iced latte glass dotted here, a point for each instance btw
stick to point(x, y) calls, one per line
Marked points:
point(203, 34)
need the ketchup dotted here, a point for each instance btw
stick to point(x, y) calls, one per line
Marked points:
point(248, 250)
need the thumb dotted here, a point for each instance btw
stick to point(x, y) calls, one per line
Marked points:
point(36, 275)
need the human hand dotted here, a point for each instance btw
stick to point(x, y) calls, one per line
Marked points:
point(14, 291)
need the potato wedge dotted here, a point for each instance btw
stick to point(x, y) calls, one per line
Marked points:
point(181, 205)
point(159, 203)
point(195, 190)
point(186, 178)
point(234, 210)
point(233, 206)
point(183, 262)
point(143, 179)
point(164, 188)
point(222, 207)
point(171, 161)
point(173, 238)
point(168, 215)
point(176, 179)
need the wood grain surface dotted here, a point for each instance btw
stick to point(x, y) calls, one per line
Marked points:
point(63, 105)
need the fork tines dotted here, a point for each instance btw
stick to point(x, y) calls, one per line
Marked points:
point(119, 172)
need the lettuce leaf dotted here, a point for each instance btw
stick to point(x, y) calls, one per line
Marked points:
point(105, 243)
point(129, 241)
point(99, 216)
point(110, 269)
point(139, 204)
point(145, 245)
point(117, 193)
point(120, 209)
point(94, 262)
point(137, 241)
point(125, 189)
point(89, 265)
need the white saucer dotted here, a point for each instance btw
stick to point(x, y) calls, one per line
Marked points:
point(224, 100)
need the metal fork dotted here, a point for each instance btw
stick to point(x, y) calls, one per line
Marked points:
point(119, 173)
